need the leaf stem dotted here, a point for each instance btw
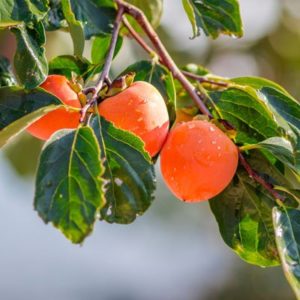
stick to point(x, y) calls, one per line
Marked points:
point(104, 76)
point(202, 79)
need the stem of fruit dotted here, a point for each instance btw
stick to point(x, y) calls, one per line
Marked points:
point(163, 54)
point(104, 76)
point(166, 60)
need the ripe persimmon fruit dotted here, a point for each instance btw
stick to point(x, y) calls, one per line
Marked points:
point(60, 118)
point(140, 109)
point(198, 160)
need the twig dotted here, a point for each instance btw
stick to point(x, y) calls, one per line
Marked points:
point(202, 79)
point(166, 60)
point(104, 77)
point(268, 186)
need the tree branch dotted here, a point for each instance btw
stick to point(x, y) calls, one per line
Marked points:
point(104, 77)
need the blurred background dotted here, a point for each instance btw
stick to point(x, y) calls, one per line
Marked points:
point(174, 251)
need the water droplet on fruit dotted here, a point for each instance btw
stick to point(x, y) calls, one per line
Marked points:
point(219, 147)
point(211, 129)
point(213, 142)
point(140, 119)
point(190, 126)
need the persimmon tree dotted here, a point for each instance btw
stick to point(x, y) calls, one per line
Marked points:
point(101, 171)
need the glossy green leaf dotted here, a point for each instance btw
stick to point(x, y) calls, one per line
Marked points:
point(69, 188)
point(128, 171)
point(19, 108)
point(249, 114)
point(214, 17)
point(75, 27)
point(258, 83)
point(244, 213)
point(196, 69)
point(6, 75)
point(152, 73)
point(287, 232)
point(101, 46)
point(153, 10)
point(282, 149)
point(68, 64)
point(15, 12)
point(285, 106)
point(97, 16)
point(30, 61)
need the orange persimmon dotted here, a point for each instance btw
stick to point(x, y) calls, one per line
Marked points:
point(60, 118)
point(140, 109)
point(198, 160)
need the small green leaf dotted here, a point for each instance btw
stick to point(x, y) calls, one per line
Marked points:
point(287, 233)
point(6, 75)
point(214, 17)
point(19, 108)
point(128, 170)
point(30, 61)
point(244, 212)
point(68, 64)
point(69, 188)
point(76, 28)
point(196, 69)
point(101, 46)
point(97, 16)
point(16, 12)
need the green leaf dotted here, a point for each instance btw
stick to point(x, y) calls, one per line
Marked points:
point(287, 232)
point(196, 69)
point(249, 114)
point(75, 27)
point(244, 213)
point(101, 46)
point(97, 16)
point(19, 108)
point(68, 64)
point(30, 61)
point(153, 10)
point(6, 75)
point(282, 149)
point(16, 12)
point(69, 188)
point(214, 17)
point(259, 83)
point(128, 171)
point(153, 73)
point(285, 106)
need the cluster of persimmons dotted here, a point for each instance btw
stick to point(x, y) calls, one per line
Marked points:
point(198, 160)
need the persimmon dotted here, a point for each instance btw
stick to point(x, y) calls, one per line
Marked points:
point(140, 109)
point(60, 118)
point(198, 160)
